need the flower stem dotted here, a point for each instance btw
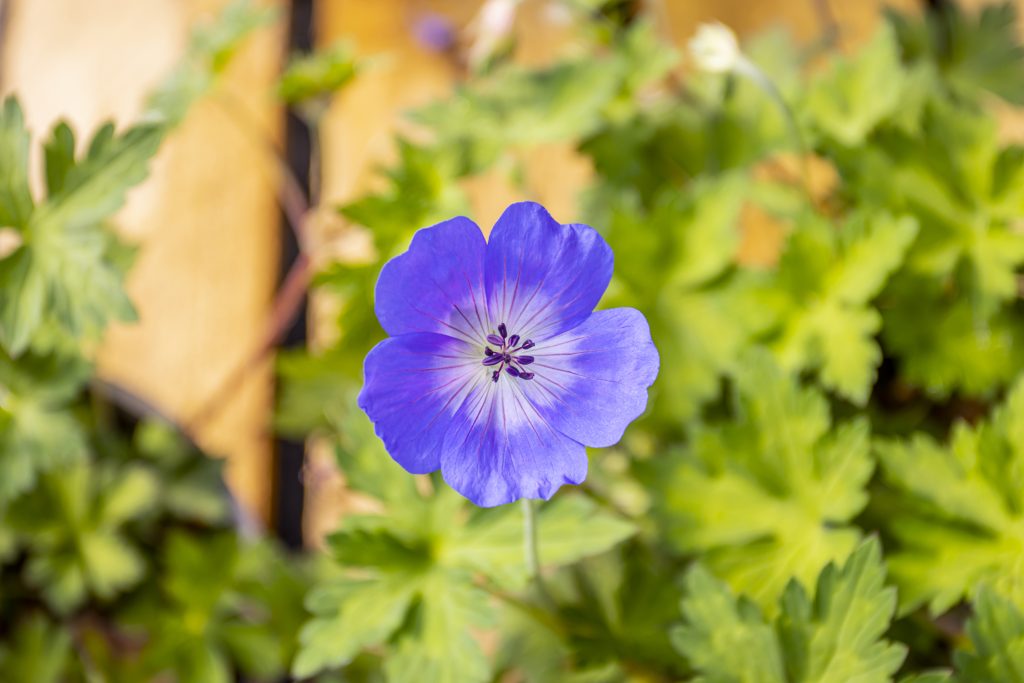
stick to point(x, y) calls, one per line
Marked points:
point(530, 540)
point(750, 70)
point(532, 556)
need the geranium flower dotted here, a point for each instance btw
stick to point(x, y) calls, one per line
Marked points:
point(498, 370)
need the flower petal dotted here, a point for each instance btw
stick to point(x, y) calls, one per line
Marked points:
point(414, 383)
point(437, 285)
point(591, 381)
point(500, 449)
point(544, 278)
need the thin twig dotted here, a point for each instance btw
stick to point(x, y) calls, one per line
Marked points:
point(831, 35)
point(291, 196)
point(285, 310)
point(288, 301)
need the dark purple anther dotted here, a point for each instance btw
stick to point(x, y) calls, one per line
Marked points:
point(504, 356)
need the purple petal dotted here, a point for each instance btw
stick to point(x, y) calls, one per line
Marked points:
point(543, 278)
point(500, 449)
point(414, 384)
point(437, 285)
point(591, 381)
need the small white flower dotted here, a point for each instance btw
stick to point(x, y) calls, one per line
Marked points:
point(715, 49)
point(492, 25)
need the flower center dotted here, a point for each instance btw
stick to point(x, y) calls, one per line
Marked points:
point(507, 356)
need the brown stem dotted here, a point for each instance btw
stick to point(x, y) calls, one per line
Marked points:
point(288, 301)
point(291, 196)
point(283, 313)
point(831, 36)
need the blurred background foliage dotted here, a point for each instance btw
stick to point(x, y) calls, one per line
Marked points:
point(828, 485)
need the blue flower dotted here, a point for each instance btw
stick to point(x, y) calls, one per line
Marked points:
point(498, 370)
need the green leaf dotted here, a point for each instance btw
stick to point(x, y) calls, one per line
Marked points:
point(522, 107)
point(351, 615)
point(37, 651)
point(313, 389)
point(37, 431)
point(972, 54)
point(409, 578)
point(996, 633)
point(320, 74)
point(59, 155)
point(211, 48)
point(441, 647)
point(66, 262)
point(836, 637)
point(854, 94)
point(226, 607)
point(492, 542)
point(22, 299)
point(701, 312)
point(110, 563)
point(191, 483)
point(717, 626)
point(829, 280)
point(961, 509)
point(769, 495)
point(73, 527)
point(15, 198)
point(960, 275)
point(946, 343)
point(929, 677)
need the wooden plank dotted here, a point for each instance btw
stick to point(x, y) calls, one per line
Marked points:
point(206, 219)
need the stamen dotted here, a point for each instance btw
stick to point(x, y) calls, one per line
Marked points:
point(504, 356)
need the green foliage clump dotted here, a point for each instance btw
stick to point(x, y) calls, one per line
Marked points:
point(828, 479)
point(827, 247)
point(120, 557)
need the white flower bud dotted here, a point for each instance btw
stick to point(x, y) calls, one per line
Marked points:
point(492, 25)
point(715, 49)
